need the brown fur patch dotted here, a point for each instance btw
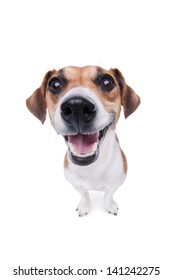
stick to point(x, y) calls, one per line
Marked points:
point(66, 161)
point(129, 99)
point(124, 161)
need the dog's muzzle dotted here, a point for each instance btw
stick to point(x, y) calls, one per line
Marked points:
point(79, 113)
point(83, 139)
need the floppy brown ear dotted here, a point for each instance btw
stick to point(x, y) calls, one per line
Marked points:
point(36, 103)
point(129, 99)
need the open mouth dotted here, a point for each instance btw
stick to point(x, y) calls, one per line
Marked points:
point(84, 148)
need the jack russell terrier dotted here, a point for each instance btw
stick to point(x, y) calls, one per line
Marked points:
point(84, 105)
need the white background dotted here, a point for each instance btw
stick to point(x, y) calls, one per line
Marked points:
point(39, 225)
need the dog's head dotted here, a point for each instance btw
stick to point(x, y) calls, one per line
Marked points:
point(84, 103)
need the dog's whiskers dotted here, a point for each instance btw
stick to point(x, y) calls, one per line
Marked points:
point(113, 119)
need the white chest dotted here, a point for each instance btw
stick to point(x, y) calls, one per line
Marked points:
point(107, 172)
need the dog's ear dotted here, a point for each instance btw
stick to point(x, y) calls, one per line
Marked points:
point(129, 99)
point(36, 103)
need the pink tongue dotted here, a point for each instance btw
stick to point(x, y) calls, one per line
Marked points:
point(83, 143)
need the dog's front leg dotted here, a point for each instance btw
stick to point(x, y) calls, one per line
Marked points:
point(84, 205)
point(108, 202)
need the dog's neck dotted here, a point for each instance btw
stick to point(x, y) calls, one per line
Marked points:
point(109, 146)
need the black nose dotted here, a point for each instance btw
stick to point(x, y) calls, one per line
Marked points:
point(78, 112)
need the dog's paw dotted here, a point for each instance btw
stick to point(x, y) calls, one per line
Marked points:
point(111, 207)
point(83, 207)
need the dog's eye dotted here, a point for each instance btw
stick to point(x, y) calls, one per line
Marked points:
point(56, 85)
point(106, 82)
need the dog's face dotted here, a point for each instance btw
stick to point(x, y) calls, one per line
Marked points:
point(84, 103)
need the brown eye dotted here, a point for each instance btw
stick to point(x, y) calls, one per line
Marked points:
point(56, 85)
point(106, 83)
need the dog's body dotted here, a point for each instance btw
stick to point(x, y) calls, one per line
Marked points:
point(84, 105)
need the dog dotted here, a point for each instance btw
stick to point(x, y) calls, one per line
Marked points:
point(84, 105)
